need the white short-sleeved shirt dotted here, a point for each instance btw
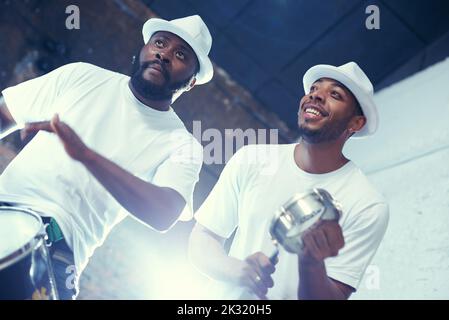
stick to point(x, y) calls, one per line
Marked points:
point(99, 105)
point(256, 182)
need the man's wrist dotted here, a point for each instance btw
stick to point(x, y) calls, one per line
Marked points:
point(309, 262)
point(235, 270)
point(89, 157)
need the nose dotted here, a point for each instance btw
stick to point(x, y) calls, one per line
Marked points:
point(161, 56)
point(317, 95)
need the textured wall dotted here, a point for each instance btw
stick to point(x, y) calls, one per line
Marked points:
point(407, 160)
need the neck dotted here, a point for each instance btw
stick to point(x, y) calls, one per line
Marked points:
point(160, 105)
point(320, 157)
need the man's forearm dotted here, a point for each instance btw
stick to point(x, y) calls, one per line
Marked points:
point(152, 204)
point(208, 255)
point(157, 206)
point(314, 284)
point(219, 266)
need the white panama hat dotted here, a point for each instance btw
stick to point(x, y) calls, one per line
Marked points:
point(352, 77)
point(192, 30)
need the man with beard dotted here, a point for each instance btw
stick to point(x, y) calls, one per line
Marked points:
point(338, 104)
point(108, 145)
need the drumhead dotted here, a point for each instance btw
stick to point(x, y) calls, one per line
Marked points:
point(17, 228)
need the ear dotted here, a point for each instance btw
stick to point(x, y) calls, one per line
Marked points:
point(191, 84)
point(356, 124)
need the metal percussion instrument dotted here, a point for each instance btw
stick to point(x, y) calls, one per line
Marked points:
point(298, 214)
point(25, 267)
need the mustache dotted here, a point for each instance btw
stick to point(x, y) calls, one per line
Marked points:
point(147, 64)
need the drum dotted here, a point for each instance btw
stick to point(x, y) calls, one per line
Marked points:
point(298, 214)
point(25, 266)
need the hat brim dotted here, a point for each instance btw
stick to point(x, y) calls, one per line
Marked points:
point(154, 25)
point(366, 101)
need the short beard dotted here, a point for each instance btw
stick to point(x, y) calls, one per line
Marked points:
point(329, 132)
point(152, 91)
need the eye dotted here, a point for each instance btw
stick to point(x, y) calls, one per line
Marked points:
point(180, 55)
point(312, 89)
point(159, 43)
point(336, 95)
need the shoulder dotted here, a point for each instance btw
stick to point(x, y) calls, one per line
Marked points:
point(366, 197)
point(83, 66)
point(365, 187)
point(87, 69)
point(184, 144)
point(77, 67)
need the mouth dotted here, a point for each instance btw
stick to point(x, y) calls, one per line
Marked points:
point(155, 71)
point(155, 66)
point(313, 112)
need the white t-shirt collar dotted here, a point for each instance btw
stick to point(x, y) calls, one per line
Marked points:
point(147, 110)
point(306, 175)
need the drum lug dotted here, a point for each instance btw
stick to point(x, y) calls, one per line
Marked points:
point(43, 235)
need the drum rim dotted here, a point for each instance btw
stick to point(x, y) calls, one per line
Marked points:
point(35, 242)
point(292, 199)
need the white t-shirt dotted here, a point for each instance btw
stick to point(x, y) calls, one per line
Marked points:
point(256, 182)
point(99, 105)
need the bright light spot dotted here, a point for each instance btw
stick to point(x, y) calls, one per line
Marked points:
point(171, 278)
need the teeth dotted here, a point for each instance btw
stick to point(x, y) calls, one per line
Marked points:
point(313, 111)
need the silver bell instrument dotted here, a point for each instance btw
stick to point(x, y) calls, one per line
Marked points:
point(297, 215)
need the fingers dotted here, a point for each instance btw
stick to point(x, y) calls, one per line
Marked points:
point(263, 278)
point(64, 132)
point(253, 281)
point(260, 288)
point(34, 127)
point(37, 126)
point(266, 269)
point(323, 240)
point(310, 246)
point(265, 264)
point(73, 144)
point(54, 122)
point(55, 118)
point(258, 272)
point(320, 240)
point(263, 268)
point(334, 234)
point(58, 127)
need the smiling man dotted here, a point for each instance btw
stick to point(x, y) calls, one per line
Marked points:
point(115, 148)
point(338, 105)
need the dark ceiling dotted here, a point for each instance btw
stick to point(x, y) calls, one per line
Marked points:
point(267, 45)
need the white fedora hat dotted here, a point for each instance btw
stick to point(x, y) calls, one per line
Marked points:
point(352, 77)
point(192, 30)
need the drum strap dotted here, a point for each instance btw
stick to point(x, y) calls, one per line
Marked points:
point(53, 231)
